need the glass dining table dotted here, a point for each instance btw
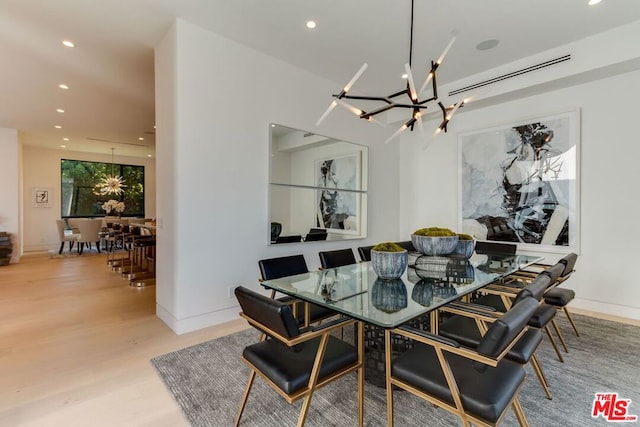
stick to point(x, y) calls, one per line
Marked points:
point(429, 283)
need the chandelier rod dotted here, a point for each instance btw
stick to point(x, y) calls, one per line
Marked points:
point(411, 38)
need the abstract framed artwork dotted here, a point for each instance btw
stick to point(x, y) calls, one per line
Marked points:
point(519, 182)
point(338, 195)
point(41, 197)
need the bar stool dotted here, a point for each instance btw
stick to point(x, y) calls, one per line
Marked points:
point(144, 258)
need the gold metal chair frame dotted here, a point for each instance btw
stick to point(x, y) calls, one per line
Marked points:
point(314, 383)
point(490, 316)
point(440, 348)
point(507, 294)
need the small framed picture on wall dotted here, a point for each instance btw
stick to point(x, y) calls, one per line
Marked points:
point(41, 197)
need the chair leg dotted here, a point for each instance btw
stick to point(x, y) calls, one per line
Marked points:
point(252, 377)
point(313, 379)
point(62, 247)
point(517, 408)
point(553, 343)
point(387, 357)
point(564, 344)
point(543, 380)
point(566, 311)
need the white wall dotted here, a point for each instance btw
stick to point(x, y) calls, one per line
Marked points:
point(215, 99)
point(41, 168)
point(605, 278)
point(10, 189)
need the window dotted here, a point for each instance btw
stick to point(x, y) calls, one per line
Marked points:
point(78, 182)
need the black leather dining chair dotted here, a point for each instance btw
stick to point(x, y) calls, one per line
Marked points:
point(464, 327)
point(501, 298)
point(275, 268)
point(293, 362)
point(560, 297)
point(337, 258)
point(476, 385)
point(364, 252)
point(406, 244)
point(488, 247)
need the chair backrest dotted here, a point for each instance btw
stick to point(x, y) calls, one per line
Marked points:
point(315, 236)
point(569, 262)
point(60, 225)
point(488, 247)
point(269, 313)
point(554, 272)
point(337, 258)
point(406, 244)
point(276, 229)
point(289, 239)
point(89, 229)
point(275, 268)
point(503, 330)
point(364, 252)
point(534, 289)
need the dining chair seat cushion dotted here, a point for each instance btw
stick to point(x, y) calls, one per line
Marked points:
point(542, 316)
point(290, 370)
point(559, 297)
point(485, 395)
point(464, 330)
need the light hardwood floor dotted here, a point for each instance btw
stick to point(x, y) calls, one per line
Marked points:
point(75, 345)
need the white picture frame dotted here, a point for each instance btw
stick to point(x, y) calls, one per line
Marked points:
point(41, 197)
point(519, 182)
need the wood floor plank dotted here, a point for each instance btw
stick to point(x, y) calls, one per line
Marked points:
point(75, 344)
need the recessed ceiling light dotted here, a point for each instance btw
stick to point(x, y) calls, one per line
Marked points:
point(63, 86)
point(592, 2)
point(60, 110)
point(311, 25)
point(149, 155)
point(63, 146)
point(68, 43)
point(58, 127)
point(140, 138)
point(65, 139)
point(405, 76)
point(487, 44)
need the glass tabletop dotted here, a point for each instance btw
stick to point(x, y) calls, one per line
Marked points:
point(429, 282)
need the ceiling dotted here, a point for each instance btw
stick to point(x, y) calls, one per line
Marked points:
point(110, 100)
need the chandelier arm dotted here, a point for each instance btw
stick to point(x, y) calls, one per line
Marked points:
point(378, 111)
point(368, 98)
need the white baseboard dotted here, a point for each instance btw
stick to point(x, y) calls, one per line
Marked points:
point(182, 326)
point(606, 311)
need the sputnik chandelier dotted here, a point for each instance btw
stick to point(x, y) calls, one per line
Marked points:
point(416, 105)
point(110, 184)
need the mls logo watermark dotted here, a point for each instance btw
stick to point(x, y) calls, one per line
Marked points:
point(612, 408)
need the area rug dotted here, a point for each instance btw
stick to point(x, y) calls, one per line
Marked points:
point(208, 380)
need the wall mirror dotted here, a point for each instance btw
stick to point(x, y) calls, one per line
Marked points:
point(317, 187)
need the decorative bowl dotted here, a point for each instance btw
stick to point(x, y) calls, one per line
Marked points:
point(434, 246)
point(389, 265)
point(465, 248)
point(389, 295)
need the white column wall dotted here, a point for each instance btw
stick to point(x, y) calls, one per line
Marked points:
point(10, 190)
point(215, 99)
point(606, 280)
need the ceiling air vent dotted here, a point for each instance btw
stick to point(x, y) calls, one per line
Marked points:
point(511, 75)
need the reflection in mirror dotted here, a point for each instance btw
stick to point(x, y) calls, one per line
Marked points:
point(318, 187)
